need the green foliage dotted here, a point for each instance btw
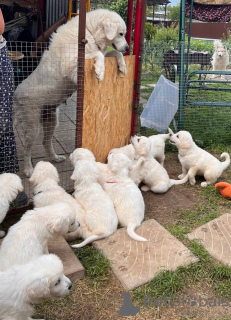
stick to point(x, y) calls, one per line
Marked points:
point(201, 45)
point(150, 31)
point(121, 7)
point(174, 12)
point(167, 34)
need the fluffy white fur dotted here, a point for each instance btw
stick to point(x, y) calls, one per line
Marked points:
point(55, 78)
point(196, 161)
point(85, 154)
point(47, 191)
point(100, 219)
point(126, 196)
point(28, 239)
point(23, 286)
point(148, 170)
point(157, 148)
point(10, 185)
point(220, 58)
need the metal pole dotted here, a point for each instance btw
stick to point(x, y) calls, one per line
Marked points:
point(138, 52)
point(181, 66)
point(80, 75)
point(129, 24)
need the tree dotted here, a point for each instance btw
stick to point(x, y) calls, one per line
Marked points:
point(174, 12)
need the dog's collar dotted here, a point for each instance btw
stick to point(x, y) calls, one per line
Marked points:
point(111, 181)
point(93, 37)
point(183, 155)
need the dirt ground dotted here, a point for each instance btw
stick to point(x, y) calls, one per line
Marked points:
point(98, 302)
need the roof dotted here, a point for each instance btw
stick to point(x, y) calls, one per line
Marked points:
point(157, 2)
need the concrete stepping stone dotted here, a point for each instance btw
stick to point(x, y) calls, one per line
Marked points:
point(73, 268)
point(143, 87)
point(136, 263)
point(215, 236)
point(152, 85)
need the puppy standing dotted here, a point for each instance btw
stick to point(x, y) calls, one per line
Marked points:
point(196, 161)
point(220, 59)
point(100, 215)
point(150, 171)
point(10, 185)
point(45, 181)
point(23, 286)
point(126, 196)
point(28, 238)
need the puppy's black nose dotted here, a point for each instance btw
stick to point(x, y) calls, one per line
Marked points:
point(70, 286)
point(127, 48)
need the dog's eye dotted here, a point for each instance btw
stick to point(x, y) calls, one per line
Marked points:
point(177, 136)
point(73, 223)
point(58, 282)
point(138, 140)
point(121, 34)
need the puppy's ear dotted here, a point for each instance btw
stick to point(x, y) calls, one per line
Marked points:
point(185, 144)
point(110, 29)
point(38, 289)
point(114, 166)
point(170, 131)
point(74, 175)
point(58, 225)
point(144, 149)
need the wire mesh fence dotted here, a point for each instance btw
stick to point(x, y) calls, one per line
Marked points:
point(206, 95)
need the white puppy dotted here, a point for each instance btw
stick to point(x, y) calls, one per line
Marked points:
point(45, 181)
point(220, 59)
point(23, 286)
point(196, 161)
point(28, 238)
point(55, 78)
point(100, 218)
point(126, 196)
point(149, 171)
point(157, 148)
point(85, 154)
point(10, 185)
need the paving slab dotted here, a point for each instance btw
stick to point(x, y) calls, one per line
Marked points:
point(136, 263)
point(73, 268)
point(143, 87)
point(215, 236)
point(152, 85)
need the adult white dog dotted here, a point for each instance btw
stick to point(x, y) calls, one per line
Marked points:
point(149, 171)
point(28, 239)
point(45, 181)
point(100, 219)
point(157, 148)
point(85, 154)
point(126, 196)
point(220, 58)
point(23, 286)
point(196, 161)
point(55, 78)
point(10, 185)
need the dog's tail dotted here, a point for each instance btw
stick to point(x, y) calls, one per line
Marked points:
point(225, 163)
point(174, 182)
point(88, 240)
point(131, 232)
point(164, 136)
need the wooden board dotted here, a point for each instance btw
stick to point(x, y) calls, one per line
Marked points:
point(107, 107)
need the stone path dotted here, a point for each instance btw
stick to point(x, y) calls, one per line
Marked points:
point(136, 263)
point(215, 236)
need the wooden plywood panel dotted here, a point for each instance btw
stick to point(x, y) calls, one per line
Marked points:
point(107, 107)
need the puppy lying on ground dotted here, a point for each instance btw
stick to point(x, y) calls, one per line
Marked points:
point(149, 171)
point(23, 286)
point(45, 181)
point(101, 220)
point(126, 196)
point(157, 148)
point(196, 161)
point(28, 238)
point(10, 185)
point(85, 154)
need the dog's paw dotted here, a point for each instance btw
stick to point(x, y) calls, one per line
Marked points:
point(204, 184)
point(145, 188)
point(99, 73)
point(192, 182)
point(28, 171)
point(59, 158)
point(2, 234)
point(181, 176)
point(122, 69)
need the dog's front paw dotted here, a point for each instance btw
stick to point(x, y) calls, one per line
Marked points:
point(204, 184)
point(99, 71)
point(123, 69)
point(145, 188)
point(59, 158)
point(192, 182)
point(28, 171)
point(2, 234)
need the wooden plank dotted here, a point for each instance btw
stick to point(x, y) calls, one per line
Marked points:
point(107, 107)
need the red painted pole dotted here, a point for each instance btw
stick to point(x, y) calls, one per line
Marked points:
point(136, 52)
point(129, 24)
